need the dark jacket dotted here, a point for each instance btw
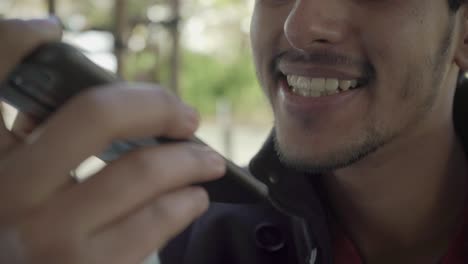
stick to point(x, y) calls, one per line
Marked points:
point(257, 232)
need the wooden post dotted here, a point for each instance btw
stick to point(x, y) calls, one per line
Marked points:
point(175, 56)
point(120, 34)
point(51, 4)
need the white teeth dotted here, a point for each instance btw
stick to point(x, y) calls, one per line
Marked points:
point(303, 82)
point(345, 85)
point(317, 84)
point(316, 87)
point(303, 92)
point(314, 93)
point(331, 85)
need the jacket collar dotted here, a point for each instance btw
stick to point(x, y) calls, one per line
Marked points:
point(294, 194)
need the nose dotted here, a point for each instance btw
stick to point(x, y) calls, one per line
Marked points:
point(313, 23)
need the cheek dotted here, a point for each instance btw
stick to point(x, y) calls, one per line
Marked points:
point(266, 34)
point(257, 39)
point(403, 56)
point(263, 46)
point(404, 88)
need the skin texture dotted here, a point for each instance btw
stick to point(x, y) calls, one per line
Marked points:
point(123, 213)
point(389, 157)
point(396, 100)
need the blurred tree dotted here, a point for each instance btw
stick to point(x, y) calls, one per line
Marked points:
point(215, 45)
point(51, 6)
point(206, 79)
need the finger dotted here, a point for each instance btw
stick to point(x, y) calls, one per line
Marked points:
point(85, 127)
point(139, 177)
point(20, 37)
point(6, 139)
point(23, 125)
point(134, 238)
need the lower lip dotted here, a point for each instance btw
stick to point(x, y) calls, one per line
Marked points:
point(296, 102)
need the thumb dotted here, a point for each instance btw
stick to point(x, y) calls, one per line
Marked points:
point(20, 37)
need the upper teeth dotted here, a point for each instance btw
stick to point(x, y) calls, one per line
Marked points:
point(315, 87)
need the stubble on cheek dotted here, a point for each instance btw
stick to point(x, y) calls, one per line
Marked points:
point(427, 81)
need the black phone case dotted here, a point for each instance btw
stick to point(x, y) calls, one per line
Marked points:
point(50, 76)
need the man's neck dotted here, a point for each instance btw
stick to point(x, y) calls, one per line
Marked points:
point(407, 197)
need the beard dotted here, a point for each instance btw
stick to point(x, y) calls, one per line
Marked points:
point(342, 158)
point(374, 137)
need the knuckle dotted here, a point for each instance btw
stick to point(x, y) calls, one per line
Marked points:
point(146, 166)
point(163, 211)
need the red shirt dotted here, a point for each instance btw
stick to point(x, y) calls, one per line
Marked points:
point(346, 253)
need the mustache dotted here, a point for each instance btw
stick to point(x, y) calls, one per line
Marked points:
point(323, 58)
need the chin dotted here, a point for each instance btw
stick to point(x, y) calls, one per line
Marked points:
point(323, 158)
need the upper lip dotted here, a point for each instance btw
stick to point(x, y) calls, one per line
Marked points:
point(319, 71)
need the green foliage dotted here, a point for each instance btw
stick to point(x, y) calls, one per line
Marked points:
point(205, 79)
point(139, 65)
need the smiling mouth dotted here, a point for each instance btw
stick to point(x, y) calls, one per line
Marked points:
point(318, 87)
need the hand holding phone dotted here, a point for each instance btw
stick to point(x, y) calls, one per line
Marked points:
point(126, 211)
point(56, 72)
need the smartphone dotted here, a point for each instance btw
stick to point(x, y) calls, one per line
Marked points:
point(55, 72)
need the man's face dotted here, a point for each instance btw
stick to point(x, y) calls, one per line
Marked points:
point(346, 77)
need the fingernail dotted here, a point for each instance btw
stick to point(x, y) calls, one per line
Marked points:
point(213, 160)
point(217, 162)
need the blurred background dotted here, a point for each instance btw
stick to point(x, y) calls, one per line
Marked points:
point(200, 49)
